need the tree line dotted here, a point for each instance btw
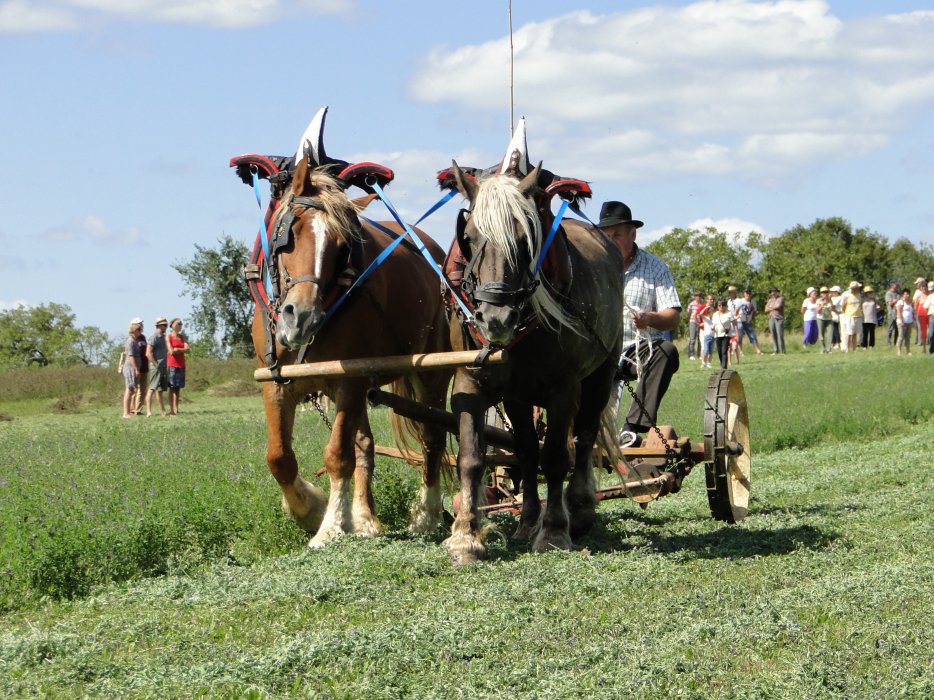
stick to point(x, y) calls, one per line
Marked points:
point(829, 251)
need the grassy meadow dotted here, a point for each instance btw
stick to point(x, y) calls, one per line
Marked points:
point(149, 558)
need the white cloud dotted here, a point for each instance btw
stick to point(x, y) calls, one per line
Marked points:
point(94, 229)
point(24, 17)
point(736, 229)
point(58, 15)
point(715, 87)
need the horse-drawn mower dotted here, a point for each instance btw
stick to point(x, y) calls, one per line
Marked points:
point(654, 469)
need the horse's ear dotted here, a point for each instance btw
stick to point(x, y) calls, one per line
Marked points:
point(300, 177)
point(466, 185)
point(530, 181)
point(361, 203)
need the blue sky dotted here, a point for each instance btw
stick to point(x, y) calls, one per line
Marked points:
point(118, 118)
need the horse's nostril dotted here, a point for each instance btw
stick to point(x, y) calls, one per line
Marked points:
point(288, 310)
point(478, 315)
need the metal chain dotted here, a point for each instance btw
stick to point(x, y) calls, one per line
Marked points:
point(321, 412)
point(502, 416)
point(669, 452)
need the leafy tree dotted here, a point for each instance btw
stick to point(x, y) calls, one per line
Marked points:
point(707, 261)
point(907, 262)
point(223, 310)
point(46, 335)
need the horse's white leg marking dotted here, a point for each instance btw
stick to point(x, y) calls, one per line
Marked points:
point(337, 518)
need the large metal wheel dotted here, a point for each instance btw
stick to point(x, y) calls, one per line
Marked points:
point(726, 446)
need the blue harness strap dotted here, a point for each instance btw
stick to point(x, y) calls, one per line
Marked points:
point(549, 238)
point(577, 210)
point(264, 238)
point(377, 261)
point(445, 198)
point(423, 250)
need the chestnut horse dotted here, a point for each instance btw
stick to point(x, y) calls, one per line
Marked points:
point(397, 310)
point(563, 352)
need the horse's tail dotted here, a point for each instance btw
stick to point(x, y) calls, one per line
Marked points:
point(606, 444)
point(410, 435)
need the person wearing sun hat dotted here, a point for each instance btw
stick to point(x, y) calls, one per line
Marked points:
point(139, 398)
point(809, 314)
point(871, 309)
point(836, 299)
point(892, 295)
point(775, 308)
point(929, 307)
point(652, 307)
point(824, 319)
point(851, 317)
point(158, 354)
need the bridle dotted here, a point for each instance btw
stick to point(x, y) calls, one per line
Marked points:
point(283, 237)
point(495, 293)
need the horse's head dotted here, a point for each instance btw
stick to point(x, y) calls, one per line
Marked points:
point(313, 230)
point(500, 236)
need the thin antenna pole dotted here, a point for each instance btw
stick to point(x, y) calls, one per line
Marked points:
point(511, 71)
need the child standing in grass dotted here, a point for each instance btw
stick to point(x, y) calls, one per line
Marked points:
point(722, 322)
point(905, 319)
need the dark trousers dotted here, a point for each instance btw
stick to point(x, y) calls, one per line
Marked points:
point(723, 350)
point(657, 372)
point(869, 335)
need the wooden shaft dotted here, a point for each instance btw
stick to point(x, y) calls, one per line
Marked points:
point(391, 364)
point(497, 437)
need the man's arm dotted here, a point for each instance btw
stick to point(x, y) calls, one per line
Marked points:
point(664, 320)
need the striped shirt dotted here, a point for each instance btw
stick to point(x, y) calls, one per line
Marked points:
point(649, 287)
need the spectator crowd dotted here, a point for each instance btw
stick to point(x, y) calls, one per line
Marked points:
point(833, 320)
point(152, 367)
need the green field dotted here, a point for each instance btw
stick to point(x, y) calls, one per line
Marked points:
point(149, 558)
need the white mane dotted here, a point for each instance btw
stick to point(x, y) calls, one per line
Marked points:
point(503, 216)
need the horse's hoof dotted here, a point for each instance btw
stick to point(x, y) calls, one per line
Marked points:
point(308, 512)
point(324, 536)
point(550, 540)
point(465, 550)
point(367, 526)
point(523, 533)
point(582, 522)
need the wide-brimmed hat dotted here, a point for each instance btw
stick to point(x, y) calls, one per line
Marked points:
point(868, 288)
point(931, 286)
point(160, 321)
point(613, 213)
point(136, 320)
point(809, 290)
point(731, 288)
point(836, 288)
point(920, 280)
point(854, 283)
point(823, 289)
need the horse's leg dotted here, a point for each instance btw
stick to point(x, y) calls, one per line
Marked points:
point(426, 512)
point(581, 496)
point(302, 501)
point(340, 462)
point(465, 544)
point(520, 415)
point(553, 532)
point(363, 510)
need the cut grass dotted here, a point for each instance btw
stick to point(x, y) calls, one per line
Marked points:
point(162, 532)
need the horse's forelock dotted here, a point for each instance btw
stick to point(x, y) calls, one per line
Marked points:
point(500, 211)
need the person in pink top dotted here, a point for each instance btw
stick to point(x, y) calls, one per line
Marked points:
point(178, 347)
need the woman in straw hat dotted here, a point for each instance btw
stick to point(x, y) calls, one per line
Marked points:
point(809, 313)
point(851, 317)
point(132, 363)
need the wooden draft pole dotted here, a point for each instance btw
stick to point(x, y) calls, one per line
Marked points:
point(391, 365)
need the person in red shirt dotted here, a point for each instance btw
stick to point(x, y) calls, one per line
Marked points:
point(178, 346)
